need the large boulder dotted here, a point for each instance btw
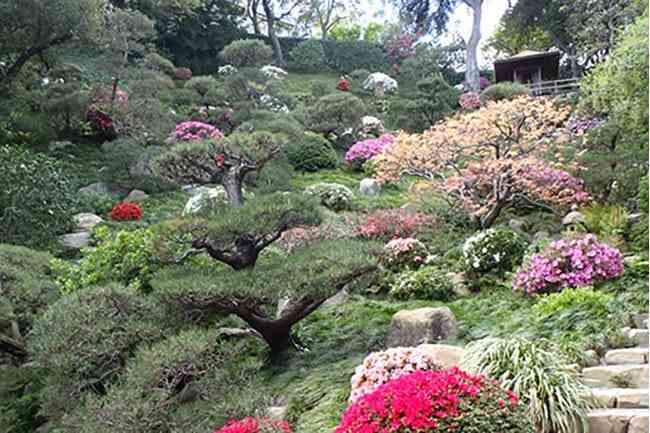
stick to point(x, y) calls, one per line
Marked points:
point(75, 241)
point(86, 221)
point(136, 195)
point(369, 187)
point(420, 326)
point(380, 80)
point(446, 355)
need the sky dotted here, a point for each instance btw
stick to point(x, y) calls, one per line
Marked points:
point(460, 21)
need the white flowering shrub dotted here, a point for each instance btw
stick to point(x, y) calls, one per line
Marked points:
point(271, 71)
point(403, 253)
point(227, 70)
point(333, 196)
point(496, 250)
point(273, 104)
point(206, 199)
point(381, 367)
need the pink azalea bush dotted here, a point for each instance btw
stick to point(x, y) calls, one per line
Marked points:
point(469, 101)
point(403, 253)
point(194, 131)
point(381, 367)
point(437, 401)
point(394, 223)
point(364, 150)
point(576, 262)
point(255, 425)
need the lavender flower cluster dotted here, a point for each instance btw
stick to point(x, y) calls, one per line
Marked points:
point(577, 262)
point(362, 151)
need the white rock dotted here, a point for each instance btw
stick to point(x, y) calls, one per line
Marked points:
point(273, 72)
point(75, 241)
point(447, 356)
point(573, 217)
point(369, 187)
point(204, 198)
point(85, 221)
point(379, 79)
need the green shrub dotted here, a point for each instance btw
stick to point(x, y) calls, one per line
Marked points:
point(83, 341)
point(156, 62)
point(125, 257)
point(539, 374)
point(335, 113)
point(311, 153)
point(247, 53)
point(608, 222)
point(19, 399)
point(26, 289)
point(320, 88)
point(503, 90)
point(201, 85)
point(65, 105)
point(193, 382)
point(333, 196)
point(276, 176)
point(585, 298)
point(496, 250)
point(428, 282)
point(308, 56)
point(346, 56)
point(433, 99)
point(359, 75)
point(95, 202)
point(275, 123)
point(36, 200)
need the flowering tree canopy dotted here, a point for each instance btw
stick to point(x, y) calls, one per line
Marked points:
point(491, 158)
point(225, 161)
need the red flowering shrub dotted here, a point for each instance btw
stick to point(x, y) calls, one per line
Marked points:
point(100, 122)
point(436, 402)
point(343, 85)
point(394, 223)
point(126, 212)
point(183, 74)
point(255, 425)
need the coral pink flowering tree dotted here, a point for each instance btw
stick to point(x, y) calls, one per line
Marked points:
point(436, 401)
point(482, 158)
point(577, 262)
point(226, 161)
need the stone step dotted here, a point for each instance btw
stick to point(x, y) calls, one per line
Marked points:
point(637, 337)
point(617, 376)
point(622, 398)
point(618, 421)
point(640, 320)
point(637, 355)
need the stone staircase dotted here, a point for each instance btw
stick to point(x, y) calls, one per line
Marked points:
point(620, 385)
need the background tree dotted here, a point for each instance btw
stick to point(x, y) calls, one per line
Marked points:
point(29, 28)
point(325, 14)
point(226, 161)
point(425, 17)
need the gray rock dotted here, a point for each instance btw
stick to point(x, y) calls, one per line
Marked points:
point(59, 145)
point(97, 188)
point(591, 358)
point(136, 195)
point(517, 225)
point(573, 217)
point(640, 319)
point(75, 241)
point(277, 413)
point(422, 325)
point(369, 187)
point(86, 221)
point(610, 376)
point(634, 218)
point(626, 356)
point(340, 298)
point(459, 282)
point(624, 398)
point(447, 356)
point(541, 235)
point(616, 421)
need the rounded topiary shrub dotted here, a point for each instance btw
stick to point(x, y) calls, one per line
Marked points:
point(428, 282)
point(311, 153)
point(335, 113)
point(247, 53)
point(308, 56)
point(503, 90)
point(193, 382)
point(400, 253)
point(83, 341)
point(449, 400)
point(333, 196)
point(37, 198)
point(495, 250)
point(381, 367)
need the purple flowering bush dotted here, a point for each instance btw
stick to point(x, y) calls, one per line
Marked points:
point(364, 150)
point(195, 131)
point(574, 262)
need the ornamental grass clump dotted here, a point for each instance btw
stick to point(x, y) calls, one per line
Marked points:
point(576, 262)
point(436, 401)
point(364, 150)
point(195, 131)
point(551, 391)
point(255, 425)
point(381, 367)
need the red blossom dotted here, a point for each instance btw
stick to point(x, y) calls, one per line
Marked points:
point(126, 212)
point(343, 85)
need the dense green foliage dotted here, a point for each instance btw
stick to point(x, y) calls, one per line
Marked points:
point(503, 90)
point(311, 152)
point(37, 198)
point(247, 52)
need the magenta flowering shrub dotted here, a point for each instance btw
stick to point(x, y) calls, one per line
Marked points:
point(403, 253)
point(575, 262)
point(469, 101)
point(255, 425)
point(364, 150)
point(435, 402)
point(194, 131)
point(381, 367)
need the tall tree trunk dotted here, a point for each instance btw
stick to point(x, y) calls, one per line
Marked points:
point(270, 26)
point(251, 10)
point(232, 183)
point(472, 76)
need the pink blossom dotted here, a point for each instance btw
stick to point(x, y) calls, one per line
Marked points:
point(196, 131)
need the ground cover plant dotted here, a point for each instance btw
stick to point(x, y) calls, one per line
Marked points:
point(209, 225)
